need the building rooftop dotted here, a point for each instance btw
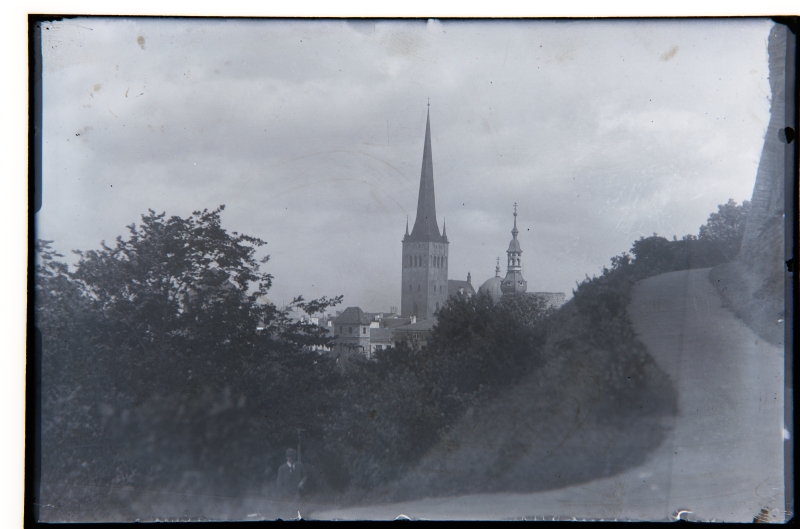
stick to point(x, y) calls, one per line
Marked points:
point(379, 334)
point(353, 315)
point(424, 325)
point(394, 322)
point(454, 285)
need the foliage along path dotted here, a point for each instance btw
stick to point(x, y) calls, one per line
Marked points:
point(724, 458)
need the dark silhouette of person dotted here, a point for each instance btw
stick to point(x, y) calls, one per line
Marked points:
point(292, 476)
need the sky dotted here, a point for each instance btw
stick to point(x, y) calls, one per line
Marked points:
point(311, 133)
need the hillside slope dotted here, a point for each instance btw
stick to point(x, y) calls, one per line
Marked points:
point(721, 458)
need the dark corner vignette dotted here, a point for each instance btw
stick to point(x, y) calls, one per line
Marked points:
point(788, 135)
point(33, 342)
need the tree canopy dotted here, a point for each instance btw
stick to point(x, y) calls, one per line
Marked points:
point(161, 343)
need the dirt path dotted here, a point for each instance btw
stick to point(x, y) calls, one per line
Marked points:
point(724, 458)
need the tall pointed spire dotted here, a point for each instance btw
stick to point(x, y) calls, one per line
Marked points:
point(514, 282)
point(425, 226)
point(406, 225)
point(444, 229)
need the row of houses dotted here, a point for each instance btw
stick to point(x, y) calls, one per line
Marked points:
point(357, 331)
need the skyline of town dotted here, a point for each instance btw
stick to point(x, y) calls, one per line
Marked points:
point(311, 132)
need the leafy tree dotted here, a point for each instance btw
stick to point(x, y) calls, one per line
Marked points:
point(160, 345)
point(728, 223)
point(725, 228)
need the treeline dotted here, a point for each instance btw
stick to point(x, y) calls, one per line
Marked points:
point(154, 375)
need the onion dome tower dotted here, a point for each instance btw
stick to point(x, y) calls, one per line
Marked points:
point(425, 249)
point(514, 282)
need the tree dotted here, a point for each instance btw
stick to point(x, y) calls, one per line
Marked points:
point(724, 230)
point(160, 344)
point(727, 224)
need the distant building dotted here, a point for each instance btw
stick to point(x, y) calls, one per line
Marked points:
point(456, 287)
point(380, 338)
point(357, 331)
point(514, 283)
point(425, 285)
point(425, 250)
point(351, 332)
point(416, 334)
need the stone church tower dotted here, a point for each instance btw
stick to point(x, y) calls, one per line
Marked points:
point(425, 250)
point(514, 283)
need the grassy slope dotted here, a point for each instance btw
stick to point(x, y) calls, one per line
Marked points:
point(561, 425)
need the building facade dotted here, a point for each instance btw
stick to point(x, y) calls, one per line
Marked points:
point(416, 334)
point(351, 332)
point(425, 249)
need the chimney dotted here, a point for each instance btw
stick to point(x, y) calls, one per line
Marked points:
point(469, 278)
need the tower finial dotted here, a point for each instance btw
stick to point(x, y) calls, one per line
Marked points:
point(497, 268)
point(515, 231)
point(406, 225)
point(429, 101)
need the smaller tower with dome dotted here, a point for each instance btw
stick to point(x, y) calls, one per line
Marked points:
point(492, 286)
point(514, 283)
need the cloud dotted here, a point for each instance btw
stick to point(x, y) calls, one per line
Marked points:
point(311, 133)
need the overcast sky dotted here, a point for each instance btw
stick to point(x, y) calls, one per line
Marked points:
point(311, 134)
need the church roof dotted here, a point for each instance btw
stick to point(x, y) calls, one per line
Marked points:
point(426, 229)
point(453, 285)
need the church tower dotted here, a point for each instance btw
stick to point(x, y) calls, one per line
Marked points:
point(514, 283)
point(425, 250)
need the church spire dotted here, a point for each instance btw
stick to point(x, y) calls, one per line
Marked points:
point(515, 231)
point(406, 225)
point(425, 226)
point(514, 282)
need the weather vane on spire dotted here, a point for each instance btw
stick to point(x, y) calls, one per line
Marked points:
point(515, 209)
